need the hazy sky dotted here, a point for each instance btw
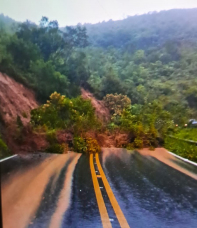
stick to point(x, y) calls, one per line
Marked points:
point(71, 12)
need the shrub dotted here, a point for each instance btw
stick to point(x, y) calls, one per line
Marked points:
point(186, 133)
point(51, 137)
point(56, 148)
point(116, 103)
point(92, 146)
point(152, 137)
point(130, 146)
point(61, 112)
point(87, 145)
point(79, 145)
point(182, 148)
point(112, 126)
point(138, 143)
point(4, 151)
point(66, 148)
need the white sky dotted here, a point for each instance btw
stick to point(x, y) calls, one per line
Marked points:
point(72, 12)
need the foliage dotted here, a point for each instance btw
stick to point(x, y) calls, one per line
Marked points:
point(56, 148)
point(7, 24)
point(138, 143)
point(4, 151)
point(92, 146)
point(145, 31)
point(149, 115)
point(44, 57)
point(186, 133)
point(147, 59)
point(3, 146)
point(86, 145)
point(182, 148)
point(146, 123)
point(130, 61)
point(79, 145)
point(116, 103)
point(51, 136)
point(130, 146)
point(75, 114)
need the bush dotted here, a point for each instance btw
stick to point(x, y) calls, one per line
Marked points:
point(138, 143)
point(186, 133)
point(116, 103)
point(112, 126)
point(51, 137)
point(4, 151)
point(87, 145)
point(130, 146)
point(56, 148)
point(79, 145)
point(92, 146)
point(61, 112)
point(182, 148)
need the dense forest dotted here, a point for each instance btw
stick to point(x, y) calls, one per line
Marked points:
point(143, 67)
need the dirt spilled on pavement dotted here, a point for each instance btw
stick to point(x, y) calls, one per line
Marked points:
point(160, 154)
point(22, 194)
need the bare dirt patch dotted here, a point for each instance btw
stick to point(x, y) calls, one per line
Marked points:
point(101, 110)
point(15, 100)
point(110, 140)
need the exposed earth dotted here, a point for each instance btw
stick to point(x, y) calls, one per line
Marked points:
point(17, 101)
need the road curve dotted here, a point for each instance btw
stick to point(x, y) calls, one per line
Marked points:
point(148, 189)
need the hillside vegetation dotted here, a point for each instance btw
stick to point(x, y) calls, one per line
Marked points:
point(143, 68)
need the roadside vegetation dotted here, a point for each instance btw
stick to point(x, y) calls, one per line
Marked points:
point(4, 151)
point(143, 68)
point(186, 133)
point(178, 143)
point(182, 148)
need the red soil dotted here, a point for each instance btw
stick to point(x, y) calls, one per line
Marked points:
point(101, 110)
point(15, 100)
point(107, 139)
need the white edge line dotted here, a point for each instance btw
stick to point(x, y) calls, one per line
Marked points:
point(8, 158)
point(184, 159)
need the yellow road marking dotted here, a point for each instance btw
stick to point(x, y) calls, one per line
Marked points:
point(101, 205)
point(98, 176)
point(119, 214)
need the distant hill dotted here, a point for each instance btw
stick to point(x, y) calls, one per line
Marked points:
point(145, 31)
point(7, 23)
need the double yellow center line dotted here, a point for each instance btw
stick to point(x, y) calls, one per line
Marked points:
point(101, 205)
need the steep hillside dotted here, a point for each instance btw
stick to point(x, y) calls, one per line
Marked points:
point(101, 111)
point(15, 100)
point(105, 139)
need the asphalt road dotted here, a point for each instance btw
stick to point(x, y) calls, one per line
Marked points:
point(146, 189)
